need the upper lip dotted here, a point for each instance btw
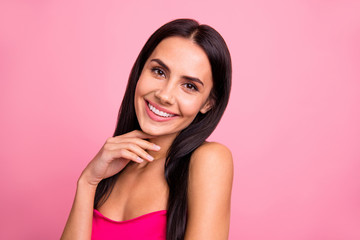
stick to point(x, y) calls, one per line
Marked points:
point(160, 108)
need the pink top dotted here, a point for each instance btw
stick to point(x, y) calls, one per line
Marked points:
point(150, 226)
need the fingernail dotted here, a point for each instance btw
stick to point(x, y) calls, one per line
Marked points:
point(139, 159)
point(150, 157)
point(156, 147)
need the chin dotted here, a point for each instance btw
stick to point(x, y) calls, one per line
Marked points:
point(150, 132)
point(154, 131)
point(158, 131)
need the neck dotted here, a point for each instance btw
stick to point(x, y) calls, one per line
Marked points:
point(164, 142)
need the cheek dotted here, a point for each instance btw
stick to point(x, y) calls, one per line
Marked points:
point(144, 86)
point(140, 91)
point(190, 107)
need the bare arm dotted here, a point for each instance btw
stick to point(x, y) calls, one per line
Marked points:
point(209, 193)
point(79, 223)
point(116, 153)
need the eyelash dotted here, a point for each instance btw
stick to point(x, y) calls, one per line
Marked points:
point(156, 71)
point(190, 86)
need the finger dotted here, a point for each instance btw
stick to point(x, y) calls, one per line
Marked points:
point(140, 142)
point(123, 153)
point(145, 144)
point(138, 134)
point(140, 152)
point(135, 133)
point(132, 147)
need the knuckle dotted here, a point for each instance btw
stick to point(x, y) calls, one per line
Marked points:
point(135, 157)
point(122, 152)
point(136, 132)
point(106, 147)
point(141, 142)
point(139, 132)
point(131, 155)
point(145, 155)
point(131, 146)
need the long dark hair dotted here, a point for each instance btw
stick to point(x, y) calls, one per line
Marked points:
point(190, 138)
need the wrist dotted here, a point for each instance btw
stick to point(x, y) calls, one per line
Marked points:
point(84, 183)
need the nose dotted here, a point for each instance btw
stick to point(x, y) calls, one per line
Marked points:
point(165, 94)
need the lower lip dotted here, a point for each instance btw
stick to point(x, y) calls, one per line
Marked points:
point(155, 117)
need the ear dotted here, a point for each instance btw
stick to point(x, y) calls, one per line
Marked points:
point(207, 106)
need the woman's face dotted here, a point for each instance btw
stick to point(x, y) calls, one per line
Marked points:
point(173, 87)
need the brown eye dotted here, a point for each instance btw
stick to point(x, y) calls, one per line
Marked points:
point(191, 86)
point(158, 71)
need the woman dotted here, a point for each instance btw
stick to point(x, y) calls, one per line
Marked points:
point(157, 177)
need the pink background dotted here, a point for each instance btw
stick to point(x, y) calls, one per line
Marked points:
point(292, 122)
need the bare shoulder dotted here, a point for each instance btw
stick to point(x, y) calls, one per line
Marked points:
point(212, 154)
point(213, 146)
point(209, 192)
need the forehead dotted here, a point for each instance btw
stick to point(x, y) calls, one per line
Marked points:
point(183, 56)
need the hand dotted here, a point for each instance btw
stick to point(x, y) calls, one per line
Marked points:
point(116, 153)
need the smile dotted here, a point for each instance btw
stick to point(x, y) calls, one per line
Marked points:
point(159, 112)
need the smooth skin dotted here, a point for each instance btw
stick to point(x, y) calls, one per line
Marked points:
point(113, 157)
point(179, 83)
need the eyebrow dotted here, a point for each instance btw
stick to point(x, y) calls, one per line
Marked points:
point(167, 68)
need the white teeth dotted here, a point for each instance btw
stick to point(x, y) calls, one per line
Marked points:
point(158, 112)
